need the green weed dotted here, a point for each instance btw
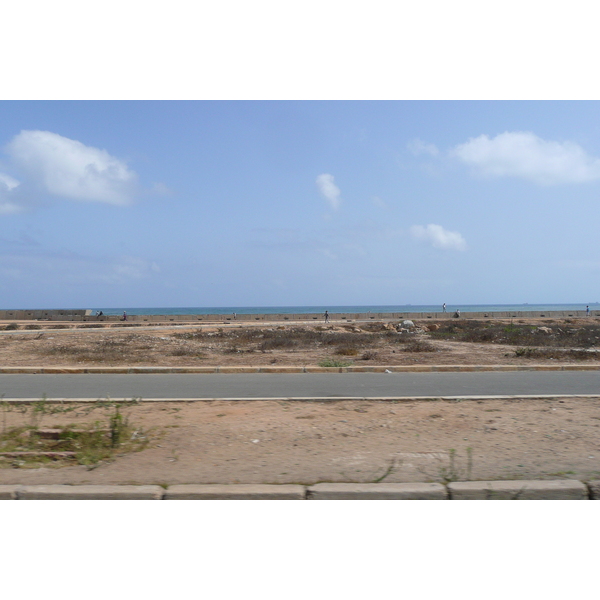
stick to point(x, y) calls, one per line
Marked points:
point(329, 362)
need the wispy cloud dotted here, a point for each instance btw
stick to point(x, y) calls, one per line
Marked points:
point(438, 237)
point(525, 155)
point(330, 191)
point(419, 147)
point(7, 196)
point(66, 268)
point(377, 201)
point(66, 168)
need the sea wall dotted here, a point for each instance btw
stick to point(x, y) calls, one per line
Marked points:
point(86, 315)
point(50, 315)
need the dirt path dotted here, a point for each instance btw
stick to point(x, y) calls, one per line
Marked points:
point(340, 441)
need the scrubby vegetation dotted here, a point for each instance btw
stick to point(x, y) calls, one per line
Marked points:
point(104, 350)
point(388, 343)
point(564, 335)
point(556, 354)
point(29, 445)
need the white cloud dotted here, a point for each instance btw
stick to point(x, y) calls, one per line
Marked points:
point(7, 182)
point(525, 155)
point(418, 147)
point(329, 190)
point(69, 169)
point(7, 203)
point(439, 237)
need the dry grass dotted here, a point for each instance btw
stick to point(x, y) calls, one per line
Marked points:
point(420, 346)
point(455, 342)
point(556, 354)
point(565, 335)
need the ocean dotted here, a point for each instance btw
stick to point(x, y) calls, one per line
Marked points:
point(392, 308)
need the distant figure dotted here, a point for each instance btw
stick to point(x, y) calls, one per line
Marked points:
point(234, 316)
point(587, 311)
point(326, 315)
point(444, 307)
point(457, 314)
point(124, 316)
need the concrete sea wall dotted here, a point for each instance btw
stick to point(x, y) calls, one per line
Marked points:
point(87, 315)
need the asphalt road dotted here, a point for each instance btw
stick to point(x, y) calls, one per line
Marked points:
point(303, 385)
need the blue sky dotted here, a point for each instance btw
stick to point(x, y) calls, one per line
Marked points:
point(267, 203)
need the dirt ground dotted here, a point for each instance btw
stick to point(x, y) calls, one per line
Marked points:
point(338, 441)
point(307, 442)
point(72, 345)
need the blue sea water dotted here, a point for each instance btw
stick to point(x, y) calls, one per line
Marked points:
point(287, 310)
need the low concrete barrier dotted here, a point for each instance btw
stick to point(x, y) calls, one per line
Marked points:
point(518, 490)
point(9, 492)
point(90, 492)
point(377, 491)
point(297, 369)
point(594, 488)
point(235, 492)
point(316, 318)
point(461, 490)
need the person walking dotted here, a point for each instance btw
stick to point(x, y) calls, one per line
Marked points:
point(444, 307)
point(587, 311)
point(326, 315)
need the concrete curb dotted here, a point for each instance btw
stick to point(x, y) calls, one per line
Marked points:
point(594, 489)
point(9, 492)
point(128, 370)
point(377, 491)
point(518, 490)
point(235, 492)
point(304, 399)
point(90, 492)
point(463, 490)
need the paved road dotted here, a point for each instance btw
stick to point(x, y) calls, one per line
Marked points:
point(336, 385)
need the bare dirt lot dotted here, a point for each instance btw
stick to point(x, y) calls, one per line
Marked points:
point(307, 442)
point(531, 341)
point(337, 441)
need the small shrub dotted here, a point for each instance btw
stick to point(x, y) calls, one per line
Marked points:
point(347, 351)
point(12, 326)
point(277, 342)
point(419, 346)
point(328, 362)
point(369, 355)
point(189, 352)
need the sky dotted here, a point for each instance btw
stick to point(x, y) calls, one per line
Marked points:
point(285, 203)
point(297, 154)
